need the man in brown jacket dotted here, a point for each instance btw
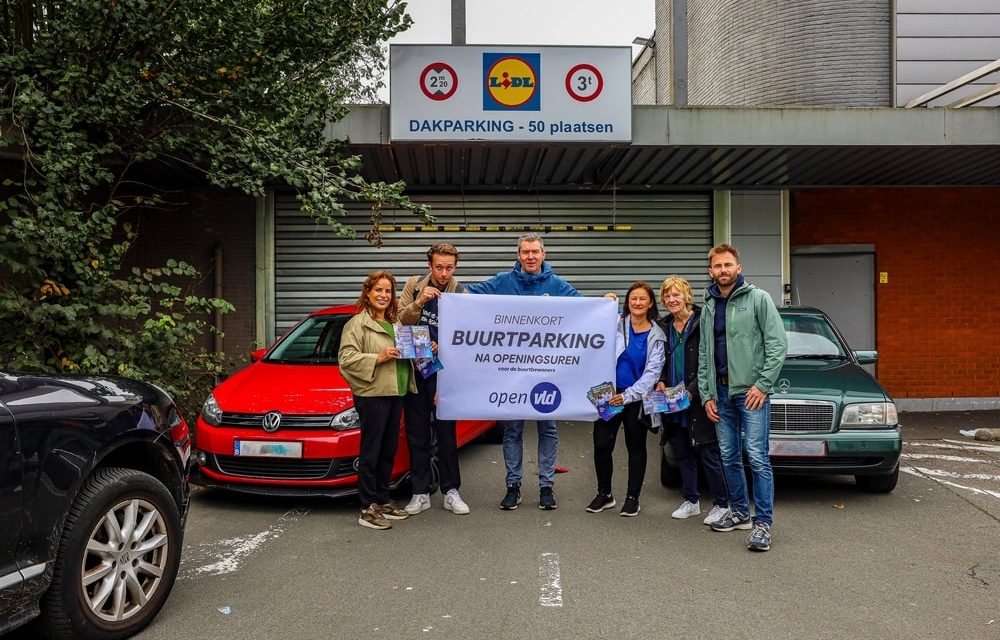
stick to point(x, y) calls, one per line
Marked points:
point(419, 305)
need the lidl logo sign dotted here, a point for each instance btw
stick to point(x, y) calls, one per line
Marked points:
point(512, 82)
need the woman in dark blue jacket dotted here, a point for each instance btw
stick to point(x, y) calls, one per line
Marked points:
point(691, 432)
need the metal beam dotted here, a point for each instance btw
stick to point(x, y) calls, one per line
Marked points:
point(979, 96)
point(972, 76)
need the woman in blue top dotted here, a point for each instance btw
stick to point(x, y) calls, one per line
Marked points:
point(639, 346)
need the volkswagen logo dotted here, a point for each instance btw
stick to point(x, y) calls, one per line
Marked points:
point(272, 420)
point(784, 385)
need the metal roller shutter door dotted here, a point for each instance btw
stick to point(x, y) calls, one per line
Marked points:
point(667, 234)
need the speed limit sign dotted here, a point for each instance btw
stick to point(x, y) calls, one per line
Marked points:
point(438, 81)
point(584, 82)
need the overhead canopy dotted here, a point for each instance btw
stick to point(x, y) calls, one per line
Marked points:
point(702, 148)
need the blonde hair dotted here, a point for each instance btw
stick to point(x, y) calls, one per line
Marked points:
point(682, 286)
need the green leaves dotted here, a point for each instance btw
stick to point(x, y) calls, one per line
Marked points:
point(108, 102)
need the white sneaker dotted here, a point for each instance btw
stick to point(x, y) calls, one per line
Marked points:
point(715, 514)
point(419, 502)
point(686, 510)
point(454, 503)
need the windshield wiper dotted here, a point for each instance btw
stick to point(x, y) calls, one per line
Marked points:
point(816, 356)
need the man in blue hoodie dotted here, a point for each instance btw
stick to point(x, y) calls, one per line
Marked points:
point(531, 276)
point(736, 373)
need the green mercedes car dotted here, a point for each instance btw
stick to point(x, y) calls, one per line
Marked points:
point(828, 414)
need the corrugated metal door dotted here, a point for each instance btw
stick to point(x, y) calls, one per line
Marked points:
point(656, 236)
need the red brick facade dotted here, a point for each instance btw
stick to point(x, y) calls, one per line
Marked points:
point(938, 316)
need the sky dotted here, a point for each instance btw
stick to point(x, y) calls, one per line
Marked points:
point(530, 22)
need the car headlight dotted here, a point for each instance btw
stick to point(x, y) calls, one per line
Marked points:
point(210, 411)
point(345, 420)
point(869, 414)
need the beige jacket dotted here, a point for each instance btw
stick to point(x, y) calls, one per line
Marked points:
point(360, 343)
point(409, 310)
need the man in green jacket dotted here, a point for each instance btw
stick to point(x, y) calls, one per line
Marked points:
point(736, 372)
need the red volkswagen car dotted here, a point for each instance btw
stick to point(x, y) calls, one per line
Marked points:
point(286, 424)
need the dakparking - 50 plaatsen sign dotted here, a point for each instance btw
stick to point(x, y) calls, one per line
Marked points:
point(523, 357)
point(565, 94)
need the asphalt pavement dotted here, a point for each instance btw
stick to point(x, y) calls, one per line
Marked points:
point(920, 562)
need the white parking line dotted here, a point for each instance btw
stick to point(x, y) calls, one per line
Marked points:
point(934, 456)
point(958, 476)
point(226, 556)
point(916, 472)
point(960, 445)
point(550, 580)
point(977, 445)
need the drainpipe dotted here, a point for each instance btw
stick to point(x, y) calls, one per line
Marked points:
point(217, 293)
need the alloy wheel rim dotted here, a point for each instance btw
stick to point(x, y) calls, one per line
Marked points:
point(125, 559)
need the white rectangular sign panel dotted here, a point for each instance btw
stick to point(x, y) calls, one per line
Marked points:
point(508, 93)
point(523, 357)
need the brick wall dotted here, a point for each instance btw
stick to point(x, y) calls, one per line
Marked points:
point(190, 233)
point(938, 317)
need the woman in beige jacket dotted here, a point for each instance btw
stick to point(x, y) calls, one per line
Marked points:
point(369, 362)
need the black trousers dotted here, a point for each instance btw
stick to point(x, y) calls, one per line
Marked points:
point(379, 439)
point(605, 434)
point(421, 425)
point(688, 457)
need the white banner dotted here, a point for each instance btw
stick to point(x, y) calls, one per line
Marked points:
point(523, 357)
point(510, 93)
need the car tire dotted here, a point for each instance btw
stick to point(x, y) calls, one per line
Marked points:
point(98, 577)
point(670, 476)
point(878, 484)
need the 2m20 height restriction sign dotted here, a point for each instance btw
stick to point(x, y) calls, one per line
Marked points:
point(438, 81)
point(584, 82)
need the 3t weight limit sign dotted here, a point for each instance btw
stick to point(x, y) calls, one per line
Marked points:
point(584, 82)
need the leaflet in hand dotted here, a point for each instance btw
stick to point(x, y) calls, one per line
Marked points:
point(428, 366)
point(600, 396)
point(413, 341)
point(670, 400)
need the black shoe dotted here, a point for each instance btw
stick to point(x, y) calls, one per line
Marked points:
point(601, 502)
point(546, 499)
point(631, 507)
point(512, 499)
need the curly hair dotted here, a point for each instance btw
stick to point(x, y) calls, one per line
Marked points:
point(363, 304)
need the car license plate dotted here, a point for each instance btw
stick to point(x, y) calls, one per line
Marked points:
point(267, 449)
point(798, 448)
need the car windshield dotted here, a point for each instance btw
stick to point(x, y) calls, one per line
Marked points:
point(811, 336)
point(315, 341)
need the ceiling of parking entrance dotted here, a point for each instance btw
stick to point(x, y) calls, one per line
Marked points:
point(704, 147)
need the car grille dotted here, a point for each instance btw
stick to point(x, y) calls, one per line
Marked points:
point(801, 416)
point(285, 469)
point(288, 421)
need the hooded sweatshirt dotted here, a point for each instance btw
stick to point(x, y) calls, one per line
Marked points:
point(518, 283)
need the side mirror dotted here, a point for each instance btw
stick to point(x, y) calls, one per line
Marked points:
point(257, 354)
point(866, 357)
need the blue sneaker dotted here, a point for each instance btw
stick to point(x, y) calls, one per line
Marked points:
point(732, 520)
point(760, 537)
point(512, 498)
point(546, 499)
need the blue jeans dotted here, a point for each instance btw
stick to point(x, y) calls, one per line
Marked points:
point(513, 451)
point(734, 419)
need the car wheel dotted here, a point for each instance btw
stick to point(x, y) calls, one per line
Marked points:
point(117, 559)
point(670, 476)
point(879, 484)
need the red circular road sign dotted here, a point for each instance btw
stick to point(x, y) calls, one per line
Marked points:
point(438, 81)
point(584, 82)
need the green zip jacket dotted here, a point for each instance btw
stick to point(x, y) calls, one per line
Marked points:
point(755, 341)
